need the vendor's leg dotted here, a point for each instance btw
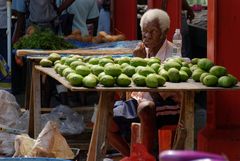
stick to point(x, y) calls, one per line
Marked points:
point(147, 115)
point(116, 140)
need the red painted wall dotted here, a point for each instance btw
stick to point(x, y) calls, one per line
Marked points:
point(223, 122)
point(125, 18)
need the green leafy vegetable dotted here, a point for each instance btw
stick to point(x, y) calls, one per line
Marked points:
point(43, 39)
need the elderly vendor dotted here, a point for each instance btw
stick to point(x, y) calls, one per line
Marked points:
point(154, 109)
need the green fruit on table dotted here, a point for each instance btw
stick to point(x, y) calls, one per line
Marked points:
point(145, 71)
point(164, 74)
point(82, 70)
point(46, 63)
point(113, 70)
point(90, 81)
point(203, 75)
point(173, 75)
point(54, 57)
point(137, 61)
point(104, 61)
point(218, 71)
point(74, 64)
point(187, 70)
point(197, 74)
point(152, 81)
point(155, 67)
point(183, 76)
point(172, 64)
point(205, 64)
point(139, 80)
point(195, 60)
point(63, 59)
point(107, 81)
point(161, 80)
point(210, 80)
point(68, 61)
point(154, 60)
point(123, 80)
point(123, 60)
point(94, 61)
point(67, 71)
point(97, 69)
point(75, 79)
point(129, 70)
point(234, 79)
point(225, 81)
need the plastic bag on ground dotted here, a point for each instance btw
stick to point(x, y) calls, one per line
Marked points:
point(70, 122)
point(7, 143)
point(9, 109)
point(50, 143)
point(139, 153)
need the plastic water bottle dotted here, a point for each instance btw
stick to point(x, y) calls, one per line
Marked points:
point(177, 41)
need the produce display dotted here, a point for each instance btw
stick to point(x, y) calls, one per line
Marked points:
point(42, 39)
point(102, 37)
point(107, 71)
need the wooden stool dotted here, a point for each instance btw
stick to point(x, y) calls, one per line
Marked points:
point(165, 136)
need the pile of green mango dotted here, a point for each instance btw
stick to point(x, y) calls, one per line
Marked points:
point(89, 71)
point(211, 75)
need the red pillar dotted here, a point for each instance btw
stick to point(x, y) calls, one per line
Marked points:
point(174, 8)
point(222, 134)
point(125, 18)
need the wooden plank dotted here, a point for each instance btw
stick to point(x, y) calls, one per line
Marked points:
point(105, 108)
point(189, 118)
point(190, 85)
point(36, 101)
point(76, 51)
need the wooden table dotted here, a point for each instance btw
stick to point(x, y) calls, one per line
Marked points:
point(98, 142)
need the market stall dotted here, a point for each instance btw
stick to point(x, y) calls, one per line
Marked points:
point(98, 143)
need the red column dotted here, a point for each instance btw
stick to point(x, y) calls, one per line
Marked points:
point(125, 18)
point(222, 134)
point(174, 8)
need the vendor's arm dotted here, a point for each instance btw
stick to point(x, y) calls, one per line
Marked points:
point(65, 4)
point(20, 26)
point(140, 51)
point(185, 6)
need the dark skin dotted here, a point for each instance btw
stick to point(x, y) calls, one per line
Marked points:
point(190, 14)
point(153, 38)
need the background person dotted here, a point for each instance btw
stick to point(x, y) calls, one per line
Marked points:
point(3, 29)
point(85, 12)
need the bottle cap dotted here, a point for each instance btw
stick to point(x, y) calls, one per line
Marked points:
point(177, 31)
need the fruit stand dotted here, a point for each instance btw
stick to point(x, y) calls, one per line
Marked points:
point(98, 141)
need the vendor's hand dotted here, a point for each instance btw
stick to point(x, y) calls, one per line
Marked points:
point(19, 60)
point(190, 15)
point(140, 51)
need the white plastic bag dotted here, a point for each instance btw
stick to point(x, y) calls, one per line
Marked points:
point(9, 109)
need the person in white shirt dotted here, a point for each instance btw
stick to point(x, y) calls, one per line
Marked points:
point(153, 108)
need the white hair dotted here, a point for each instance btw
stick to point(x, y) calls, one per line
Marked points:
point(156, 14)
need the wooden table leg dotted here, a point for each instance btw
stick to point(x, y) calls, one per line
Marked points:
point(189, 118)
point(35, 110)
point(97, 148)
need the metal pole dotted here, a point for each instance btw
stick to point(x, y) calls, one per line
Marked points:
point(9, 33)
